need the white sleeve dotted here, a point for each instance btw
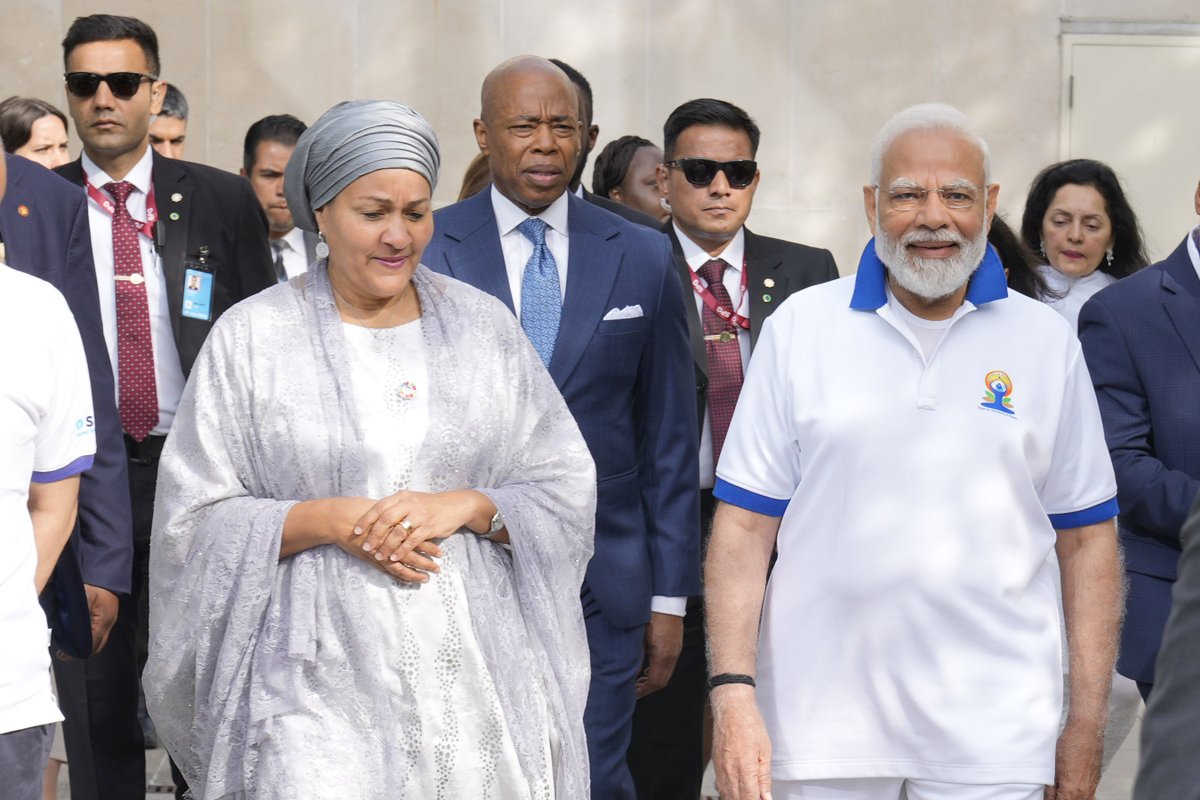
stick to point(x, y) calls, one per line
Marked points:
point(66, 439)
point(760, 461)
point(1080, 487)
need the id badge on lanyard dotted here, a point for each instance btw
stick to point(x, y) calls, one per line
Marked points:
point(199, 275)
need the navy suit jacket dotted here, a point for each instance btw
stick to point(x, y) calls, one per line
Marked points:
point(1141, 338)
point(44, 223)
point(203, 206)
point(774, 270)
point(628, 382)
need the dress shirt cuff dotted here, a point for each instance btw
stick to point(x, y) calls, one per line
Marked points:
point(675, 606)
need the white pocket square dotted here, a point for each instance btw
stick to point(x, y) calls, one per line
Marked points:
point(628, 312)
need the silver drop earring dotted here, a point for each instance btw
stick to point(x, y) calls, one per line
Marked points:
point(322, 248)
point(1108, 255)
point(1042, 249)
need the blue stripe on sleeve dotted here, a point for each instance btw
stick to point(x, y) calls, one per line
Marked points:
point(81, 464)
point(743, 498)
point(1088, 516)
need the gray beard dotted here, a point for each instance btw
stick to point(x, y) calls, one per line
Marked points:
point(930, 278)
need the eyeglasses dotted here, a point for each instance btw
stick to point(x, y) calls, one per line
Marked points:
point(123, 85)
point(702, 171)
point(910, 198)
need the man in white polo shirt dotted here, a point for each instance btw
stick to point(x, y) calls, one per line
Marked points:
point(46, 441)
point(915, 472)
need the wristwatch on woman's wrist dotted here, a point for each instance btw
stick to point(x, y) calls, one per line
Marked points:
point(496, 526)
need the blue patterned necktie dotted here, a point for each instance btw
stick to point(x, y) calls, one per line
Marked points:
point(541, 297)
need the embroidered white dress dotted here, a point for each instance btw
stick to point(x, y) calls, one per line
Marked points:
point(318, 676)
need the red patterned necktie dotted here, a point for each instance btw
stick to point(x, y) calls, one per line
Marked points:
point(724, 356)
point(138, 393)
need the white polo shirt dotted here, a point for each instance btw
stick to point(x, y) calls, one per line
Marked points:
point(911, 627)
point(46, 435)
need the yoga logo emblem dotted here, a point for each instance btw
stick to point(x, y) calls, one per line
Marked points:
point(998, 396)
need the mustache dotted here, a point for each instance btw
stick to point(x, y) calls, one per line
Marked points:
point(927, 237)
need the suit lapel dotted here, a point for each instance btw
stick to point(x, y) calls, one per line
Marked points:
point(695, 327)
point(477, 259)
point(173, 196)
point(766, 283)
point(1182, 301)
point(592, 266)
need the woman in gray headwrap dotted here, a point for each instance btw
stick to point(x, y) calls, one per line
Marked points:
point(374, 514)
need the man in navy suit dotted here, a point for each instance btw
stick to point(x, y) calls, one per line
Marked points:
point(44, 226)
point(1142, 343)
point(601, 302)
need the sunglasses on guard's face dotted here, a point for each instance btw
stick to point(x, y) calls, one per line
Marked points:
point(702, 171)
point(123, 85)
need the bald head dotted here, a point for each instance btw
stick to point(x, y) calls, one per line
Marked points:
point(530, 131)
point(517, 68)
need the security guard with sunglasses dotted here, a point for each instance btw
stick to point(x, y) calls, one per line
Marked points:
point(175, 244)
point(734, 279)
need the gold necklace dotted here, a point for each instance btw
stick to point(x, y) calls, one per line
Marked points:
point(376, 343)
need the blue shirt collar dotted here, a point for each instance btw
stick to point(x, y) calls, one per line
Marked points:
point(870, 291)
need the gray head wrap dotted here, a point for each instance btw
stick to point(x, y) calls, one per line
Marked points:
point(350, 140)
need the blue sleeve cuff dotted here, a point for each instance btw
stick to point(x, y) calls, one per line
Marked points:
point(1088, 516)
point(743, 498)
point(81, 464)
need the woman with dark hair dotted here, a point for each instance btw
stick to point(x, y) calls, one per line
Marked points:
point(624, 172)
point(1077, 217)
point(34, 129)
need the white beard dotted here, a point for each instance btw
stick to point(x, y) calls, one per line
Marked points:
point(930, 278)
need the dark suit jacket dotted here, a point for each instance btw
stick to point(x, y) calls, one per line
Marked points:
point(623, 211)
point(51, 240)
point(626, 381)
point(216, 209)
point(789, 267)
point(1141, 338)
point(1169, 765)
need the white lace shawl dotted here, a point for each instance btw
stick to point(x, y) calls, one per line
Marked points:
point(266, 421)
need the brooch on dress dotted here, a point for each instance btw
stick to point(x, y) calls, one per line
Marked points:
point(407, 390)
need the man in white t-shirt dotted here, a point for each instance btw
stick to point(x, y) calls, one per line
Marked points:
point(914, 472)
point(46, 441)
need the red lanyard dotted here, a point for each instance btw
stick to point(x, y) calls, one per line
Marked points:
point(727, 314)
point(145, 228)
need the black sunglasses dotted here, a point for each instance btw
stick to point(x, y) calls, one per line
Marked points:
point(701, 171)
point(123, 85)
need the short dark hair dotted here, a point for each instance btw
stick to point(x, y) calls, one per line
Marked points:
point(613, 163)
point(111, 28)
point(174, 104)
point(17, 115)
point(1129, 251)
point(282, 128)
point(585, 88)
point(707, 111)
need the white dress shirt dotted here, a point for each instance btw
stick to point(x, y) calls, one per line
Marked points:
point(295, 254)
point(517, 250)
point(734, 255)
point(168, 373)
point(1193, 247)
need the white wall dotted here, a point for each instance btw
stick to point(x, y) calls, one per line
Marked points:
point(820, 76)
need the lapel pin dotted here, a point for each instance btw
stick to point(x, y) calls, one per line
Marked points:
point(23, 210)
point(174, 216)
point(175, 198)
point(769, 283)
point(766, 298)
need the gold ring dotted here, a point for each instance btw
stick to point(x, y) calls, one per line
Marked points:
point(408, 526)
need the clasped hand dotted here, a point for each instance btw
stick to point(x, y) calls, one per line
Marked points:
point(399, 532)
